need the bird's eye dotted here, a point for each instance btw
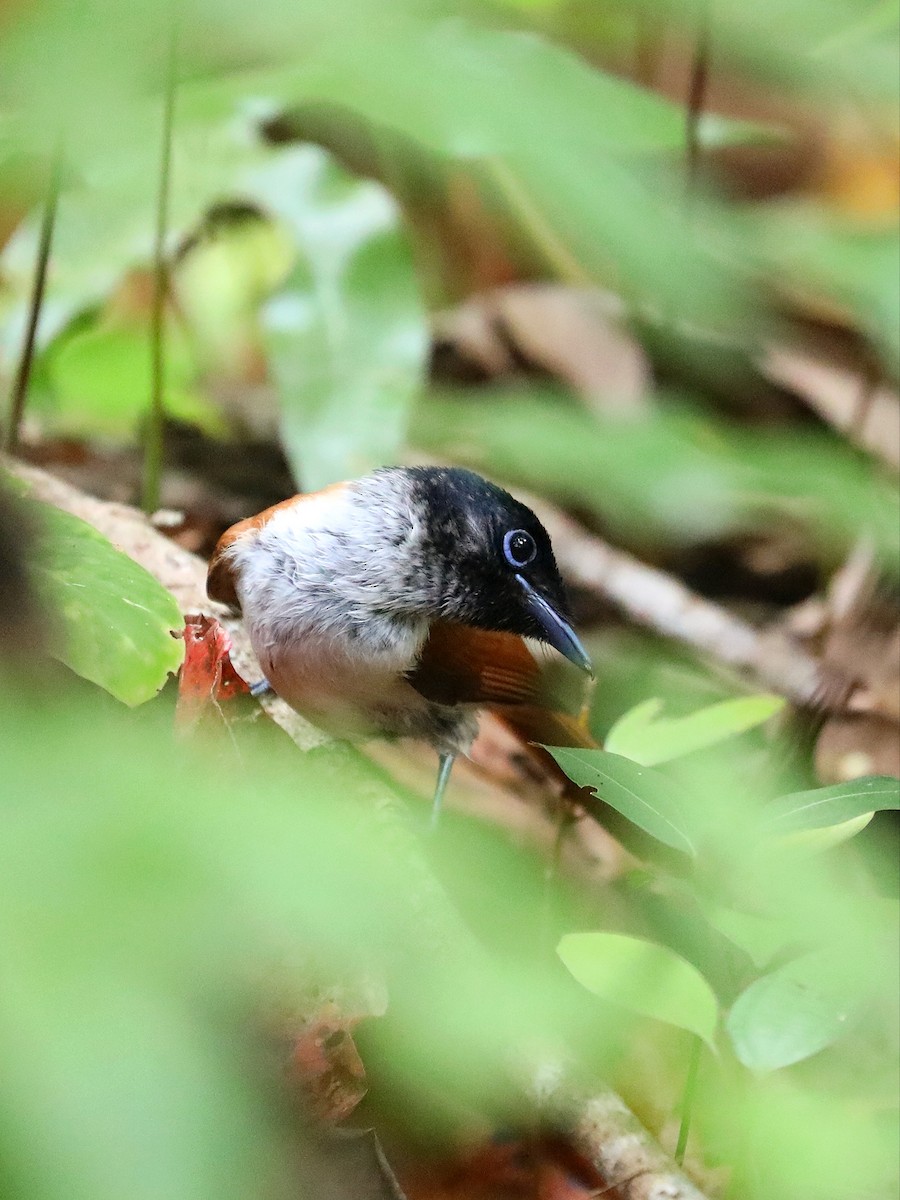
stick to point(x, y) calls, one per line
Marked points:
point(519, 548)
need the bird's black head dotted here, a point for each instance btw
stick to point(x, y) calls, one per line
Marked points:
point(488, 560)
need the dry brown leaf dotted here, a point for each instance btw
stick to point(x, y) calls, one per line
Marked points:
point(865, 411)
point(326, 1065)
point(576, 335)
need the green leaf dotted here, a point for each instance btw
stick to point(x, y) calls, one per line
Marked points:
point(643, 977)
point(672, 475)
point(856, 266)
point(792, 1013)
point(347, 336)
point(115, 619)
point(646, 738)
point(647, 798)
point(761, 937)
point(586, 193)
point(104, 225)
point(100, 381)
point(139, 879)
point(832, 805)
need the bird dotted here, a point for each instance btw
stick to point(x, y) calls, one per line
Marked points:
point(402, 603)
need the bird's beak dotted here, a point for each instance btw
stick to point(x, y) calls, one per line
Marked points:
point(557, 631)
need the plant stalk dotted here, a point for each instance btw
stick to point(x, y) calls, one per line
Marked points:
point(688, 1097)
point(19, 392)
point(153, 444)
point(697, 98)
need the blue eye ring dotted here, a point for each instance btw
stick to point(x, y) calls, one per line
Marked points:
point(519, 547)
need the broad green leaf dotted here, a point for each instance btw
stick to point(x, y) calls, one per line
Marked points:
point(648, 738)
point(646, 797)
point(100, 382)
point(347, 335)
point(761, 937)
point(797, 45)
point(106, 214)
point(115, 621)
point(643, 977)
point(832, 805)
point(880, 19)
point(792, 1013)
point(851, 264)
point(586, 193)
point(815, 841)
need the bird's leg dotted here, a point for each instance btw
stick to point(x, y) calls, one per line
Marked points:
point(262, 687)
point(445, 766)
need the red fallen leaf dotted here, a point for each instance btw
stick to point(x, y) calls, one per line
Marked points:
point(326, 1065)
point(207, 675)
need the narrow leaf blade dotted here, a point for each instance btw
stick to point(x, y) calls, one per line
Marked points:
point(649, 739)
point(821, 807)
point(647, 798)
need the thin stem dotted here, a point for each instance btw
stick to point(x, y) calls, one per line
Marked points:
point(688, 1097)
point(19, 393)
point(565, 821)
point(153, 446)
point(871, 378)
point(532, 220)
point(697, 97)
point(648, 44)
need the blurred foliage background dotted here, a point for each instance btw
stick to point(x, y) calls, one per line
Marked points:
point(640, 259)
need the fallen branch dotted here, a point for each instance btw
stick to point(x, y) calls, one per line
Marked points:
point(611, 1138)
point(660, 602)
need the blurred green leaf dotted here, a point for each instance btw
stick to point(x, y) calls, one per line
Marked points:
point(832, 805)
point(880, 19)
point(586, 193)
point(674, 473)
point(99, 381)
point(802, 1142)
point(645, 737)
point(106, 214)
point(825, 256)
point(115, 620)
point(347, 335)
point(643, 977)
point(761, 937)
point(797, 44)
point(142, 889)
point(236, 261)
point(792, 1013)
point(646, 797)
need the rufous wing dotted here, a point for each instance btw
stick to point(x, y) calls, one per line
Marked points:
point(497, 671)
point(461, 665)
